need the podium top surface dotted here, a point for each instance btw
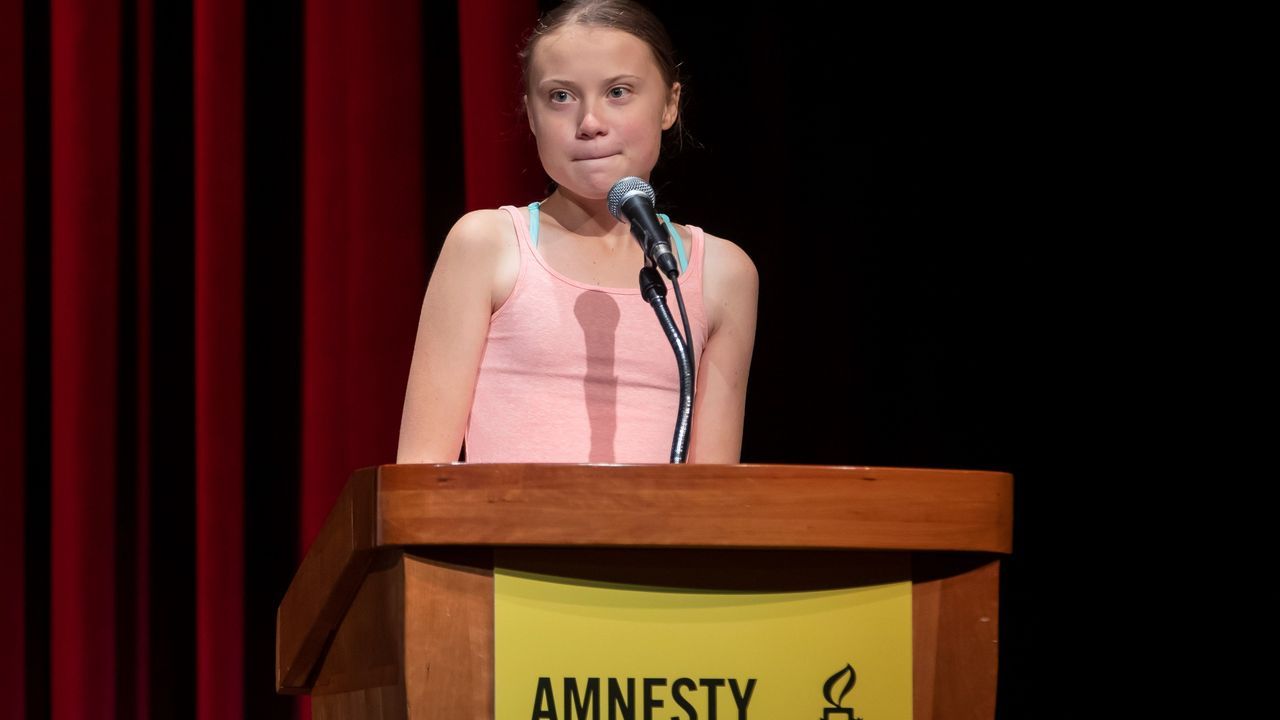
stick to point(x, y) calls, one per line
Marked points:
point(720, 506)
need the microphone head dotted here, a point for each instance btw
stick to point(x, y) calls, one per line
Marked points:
point(625, 188)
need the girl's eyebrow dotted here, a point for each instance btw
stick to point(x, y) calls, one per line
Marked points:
point(572, 84)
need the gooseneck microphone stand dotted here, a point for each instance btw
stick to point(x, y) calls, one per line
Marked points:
point(654, 291)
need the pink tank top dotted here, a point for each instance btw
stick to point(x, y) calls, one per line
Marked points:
point(575, 373)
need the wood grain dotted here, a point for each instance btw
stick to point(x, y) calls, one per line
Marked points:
point(367, 649)
point(955, 630)
point(325, 584)
point(382, 703)
point(742, 506)
point(448, 637)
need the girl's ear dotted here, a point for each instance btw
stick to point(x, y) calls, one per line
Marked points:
point(529, 115)
point(672, 110)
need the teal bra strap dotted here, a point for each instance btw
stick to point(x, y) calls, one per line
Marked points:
point(675, 236)
point(684, 256)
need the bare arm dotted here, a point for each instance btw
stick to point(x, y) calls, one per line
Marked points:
point(730, 290)
point(451, 337)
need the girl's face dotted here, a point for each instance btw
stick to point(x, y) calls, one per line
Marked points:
point(597, 105)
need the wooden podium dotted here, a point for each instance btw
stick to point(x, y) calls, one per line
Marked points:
point(391, 614)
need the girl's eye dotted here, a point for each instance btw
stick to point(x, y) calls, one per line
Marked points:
point(619, 92)
point(559, 96)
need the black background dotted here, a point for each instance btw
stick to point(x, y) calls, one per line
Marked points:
point(920, 193)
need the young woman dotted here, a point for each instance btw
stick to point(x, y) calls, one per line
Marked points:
point(534, 343)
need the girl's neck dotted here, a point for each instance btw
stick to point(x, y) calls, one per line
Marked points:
point(587, 217)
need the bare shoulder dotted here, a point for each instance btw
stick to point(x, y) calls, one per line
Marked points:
point(481, 231)
point(728, 262)
point(730, 281)
point(724, 259)
point(482, 247)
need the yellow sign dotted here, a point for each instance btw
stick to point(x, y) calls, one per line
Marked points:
point(574, 650)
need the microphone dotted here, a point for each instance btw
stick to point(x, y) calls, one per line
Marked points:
point(632, 200)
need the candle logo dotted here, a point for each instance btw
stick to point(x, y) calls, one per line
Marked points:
point(844, 679)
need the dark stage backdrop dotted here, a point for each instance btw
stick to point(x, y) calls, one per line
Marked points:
point(217, 220)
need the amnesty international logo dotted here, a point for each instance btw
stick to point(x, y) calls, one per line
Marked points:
point(845, 680)
point(570, 650)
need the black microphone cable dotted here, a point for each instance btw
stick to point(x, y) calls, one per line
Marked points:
point(654, 291)
point(684, 316)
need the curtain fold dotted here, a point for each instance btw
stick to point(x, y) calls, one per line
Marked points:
point(219, 356)
point(500, 159)
point(143, 126)
point(364, 255)
point(13, 348)
point(85, 117)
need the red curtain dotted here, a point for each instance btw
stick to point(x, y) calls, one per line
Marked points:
point(140, 658)
point(219, 356)
point(12, 360)
point(369, 208)
point(500, 161)
point(363, 245)
point(85, 145)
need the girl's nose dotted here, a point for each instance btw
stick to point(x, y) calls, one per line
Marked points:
point(590, 126)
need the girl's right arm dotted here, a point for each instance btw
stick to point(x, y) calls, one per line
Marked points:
point(460, 298)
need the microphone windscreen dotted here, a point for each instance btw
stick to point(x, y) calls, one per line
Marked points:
point(626, 187)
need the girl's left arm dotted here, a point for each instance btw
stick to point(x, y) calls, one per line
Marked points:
point(731, 287)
